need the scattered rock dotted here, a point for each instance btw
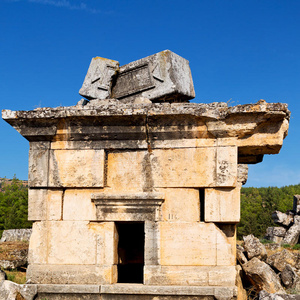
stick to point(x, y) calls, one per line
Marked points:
point(2, 275)
point(275, 234)
point(282, 218)
point(263, 276)
point(15, 235)
point(289, 278)
point(13, 291)
point(13, 255)
point(292, 235)
point(263, 295)
point(296, 206)
point(254, 247)
point(240, 255)
point(280, 259)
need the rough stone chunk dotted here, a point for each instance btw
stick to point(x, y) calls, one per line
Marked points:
point(282, 218)
point(263, 295)
point(162, 77)
point(292, 235)
point(254, 247)
point(98, 80)
point(275, 234)
point(280, 259)
point(296, 206)
point(290, 279)
point(15, 235)
point(263, 276)
point(242, 173)
point(240, 254)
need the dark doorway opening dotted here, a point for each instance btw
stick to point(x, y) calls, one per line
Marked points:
point(131, 252)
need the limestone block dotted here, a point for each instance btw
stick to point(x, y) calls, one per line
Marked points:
point(78, 205)
point(107, 242)
point(37, 204)
point(71, 243)
point(152, 243)
point(190, 275)
point(296, 204)
point(38, 168)
point(76, 168)
point(226, 244)
point(160, 77)
point(226, 166)
point(38, 244)
point(254, 247)
point(181, 205)
point(54, 205)
point(99, 77)
point(71, 274)
point(188, 244)
point(222, 205)
point(144, 171)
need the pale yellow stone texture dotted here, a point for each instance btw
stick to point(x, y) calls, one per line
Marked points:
point(194, 244)
point(78, 205)
point(192, 167)
point(76, 168)
point(222, 205)
point(37, 201)
point(226, 245)
point(38, 245)
point(226, 169)
point(38, 168)
point(181, 205)
point(54, 205)
point(107, 242)
point(71, 243)
point(190, 275)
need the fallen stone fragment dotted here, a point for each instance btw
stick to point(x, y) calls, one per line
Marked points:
point(13, 255)
point(98, 80)
point(240, 254)
point(12, 291)
point(242, 293)
point(290, 278)
point(15, 235)
point(296, 206)
point(263, 295)
point(292, 235)
point(279, 260)
point(2, 275)
point(254, 247)
point(282, 218)
point(275, 234)
point(263, 276)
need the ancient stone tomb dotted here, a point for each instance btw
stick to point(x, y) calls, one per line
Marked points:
point(133, 196)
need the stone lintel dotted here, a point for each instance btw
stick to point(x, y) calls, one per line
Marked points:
point(128, 207)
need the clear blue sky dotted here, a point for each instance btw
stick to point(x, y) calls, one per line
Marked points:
point(239, 51)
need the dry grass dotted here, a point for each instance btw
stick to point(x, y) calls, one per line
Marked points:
point(16, 276)
point(7, 249)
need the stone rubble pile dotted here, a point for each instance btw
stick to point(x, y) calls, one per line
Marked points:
point(289, 230)
point(272, 274)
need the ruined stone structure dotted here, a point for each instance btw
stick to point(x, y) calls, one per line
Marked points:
point(139, 199)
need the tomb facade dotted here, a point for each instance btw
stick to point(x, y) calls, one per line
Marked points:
point(139, 198)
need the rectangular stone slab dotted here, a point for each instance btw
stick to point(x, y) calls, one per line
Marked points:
point(162, 77)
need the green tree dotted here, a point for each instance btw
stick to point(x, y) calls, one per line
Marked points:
point(14, 205)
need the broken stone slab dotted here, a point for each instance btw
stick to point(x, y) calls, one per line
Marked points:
point(12, 291)
point(162, 77)
point(282, 218)
point(275, 234)
point(290, 278)
point(263, 276)
point(254, 247)
point(98, 80)
point(292, 235)
point(296, 205)
point(279, 260)
point(241, 258)
point(263, 295)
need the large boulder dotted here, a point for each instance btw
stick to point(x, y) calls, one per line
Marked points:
point(16, 235)
point(282, 218)
point(280, 259)
point(254, 247)
point(275, 234)
point(292, 235)
point(290, 278)
point(263, 277)
point(13, 291)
